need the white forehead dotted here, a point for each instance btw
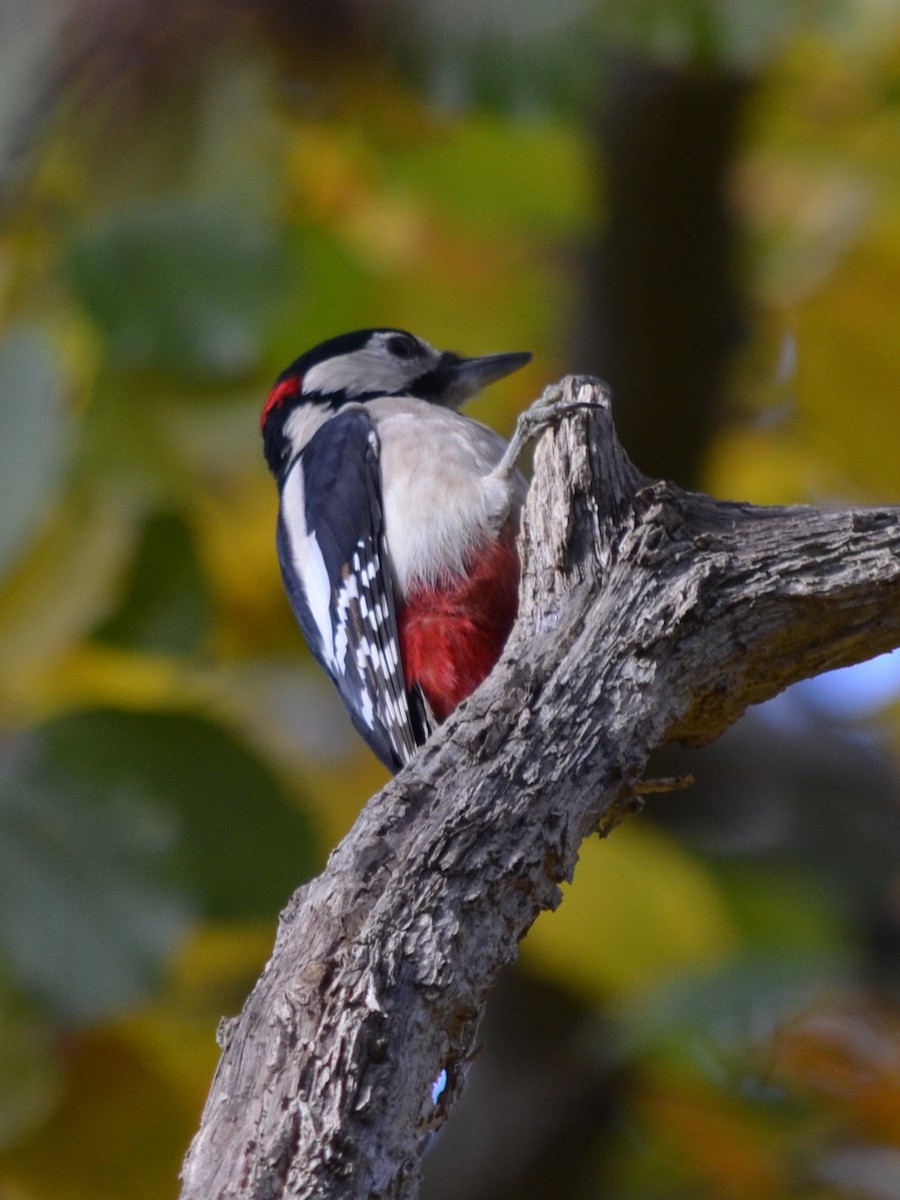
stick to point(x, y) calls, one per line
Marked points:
point(372, 368)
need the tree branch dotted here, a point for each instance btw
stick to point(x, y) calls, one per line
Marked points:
point(647, 614)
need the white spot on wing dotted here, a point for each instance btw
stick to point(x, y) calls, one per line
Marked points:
point(348, 594)
point(366, 709)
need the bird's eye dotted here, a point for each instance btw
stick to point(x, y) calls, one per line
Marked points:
point(401, 347)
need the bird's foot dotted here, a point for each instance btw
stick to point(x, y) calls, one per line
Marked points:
point(549, 409)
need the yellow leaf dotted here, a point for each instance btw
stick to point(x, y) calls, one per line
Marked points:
point(64, 585)
point(640, 909)
point(119, 1131)
point(101, 675)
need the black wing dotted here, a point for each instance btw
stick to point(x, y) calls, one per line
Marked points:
point(337, 576)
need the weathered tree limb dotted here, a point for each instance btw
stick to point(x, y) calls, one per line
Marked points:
point(647, 614)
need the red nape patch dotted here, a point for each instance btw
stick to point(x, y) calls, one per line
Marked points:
point(286, 387)
point(451, 636)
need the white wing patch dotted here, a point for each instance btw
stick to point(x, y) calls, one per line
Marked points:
point(308, 561)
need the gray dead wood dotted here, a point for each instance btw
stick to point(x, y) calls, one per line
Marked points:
point(648, 614)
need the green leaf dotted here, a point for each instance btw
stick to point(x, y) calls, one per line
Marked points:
point(166, 606)
point(726, 1004)
point(33, 439)
point(116, 829)
point(30, 1078)
point(28, 34)
point(540, 176)
point(732, 33)
point(180, 286)
point(241, 846)
point(63, 587)
point(509, 54)
point(783, 909)
point(88, 900)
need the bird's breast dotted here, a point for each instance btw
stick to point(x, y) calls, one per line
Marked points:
point(441, 501)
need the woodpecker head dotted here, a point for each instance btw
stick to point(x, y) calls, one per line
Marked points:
point(361, 366)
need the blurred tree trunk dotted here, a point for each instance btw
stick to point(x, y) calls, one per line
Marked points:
point(662, 312)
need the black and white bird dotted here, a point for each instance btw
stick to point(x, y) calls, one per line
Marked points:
point(397, 526)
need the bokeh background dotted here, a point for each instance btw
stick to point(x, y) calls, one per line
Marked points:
point(697, 199)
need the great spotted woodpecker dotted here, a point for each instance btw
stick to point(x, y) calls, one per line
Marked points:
point(397, 526)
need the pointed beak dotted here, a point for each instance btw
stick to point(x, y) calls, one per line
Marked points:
point(464, 377)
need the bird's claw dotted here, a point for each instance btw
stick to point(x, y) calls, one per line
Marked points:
point(549, 408)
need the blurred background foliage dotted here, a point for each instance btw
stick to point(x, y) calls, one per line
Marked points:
point(698, 199)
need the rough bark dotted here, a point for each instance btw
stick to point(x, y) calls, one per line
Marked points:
point(647, 614)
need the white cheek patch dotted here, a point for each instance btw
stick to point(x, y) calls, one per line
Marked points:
point(372, 368)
